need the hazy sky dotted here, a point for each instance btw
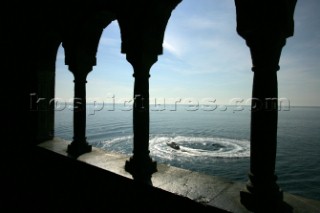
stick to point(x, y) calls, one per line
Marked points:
point(205, 58)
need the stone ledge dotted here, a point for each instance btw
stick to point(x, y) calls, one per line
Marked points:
point(208, 190)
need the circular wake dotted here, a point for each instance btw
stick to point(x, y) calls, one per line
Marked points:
point(207, 147)
point(183, 147)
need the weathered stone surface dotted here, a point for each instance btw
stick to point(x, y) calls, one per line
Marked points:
point(204, 189)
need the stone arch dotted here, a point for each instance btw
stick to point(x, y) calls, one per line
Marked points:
point(79, 32)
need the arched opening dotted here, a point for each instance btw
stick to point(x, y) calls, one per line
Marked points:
point(64, 89)
point(109, 87)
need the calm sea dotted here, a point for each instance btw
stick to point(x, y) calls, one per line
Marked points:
point(215, 142)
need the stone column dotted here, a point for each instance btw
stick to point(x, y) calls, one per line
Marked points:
point(140, 164)
point(265, 25)
point(262, 191)
point(79, 144)
point(45, 113)
point(81, 43)
point(44, 91)
point(142, 25)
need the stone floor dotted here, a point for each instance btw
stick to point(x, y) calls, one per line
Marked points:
point(205, 189)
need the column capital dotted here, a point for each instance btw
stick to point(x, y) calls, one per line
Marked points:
point(141, 63)
point(265, 54)
point(143, 23)
point(80, 73)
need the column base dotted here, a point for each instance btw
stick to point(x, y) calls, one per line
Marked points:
point(262, 201)
point(141, 169)
point(76, 148)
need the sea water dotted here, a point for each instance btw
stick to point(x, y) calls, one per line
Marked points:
point(215, 142)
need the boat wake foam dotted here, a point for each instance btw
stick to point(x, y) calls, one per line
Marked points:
point(173, 147)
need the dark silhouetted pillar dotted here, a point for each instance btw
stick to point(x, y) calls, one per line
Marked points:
point(42, 97)
point(264, 25)
point(262, 190)
point(79, 144)
point(142, 24)
point(80, 43)
point(140, 164)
